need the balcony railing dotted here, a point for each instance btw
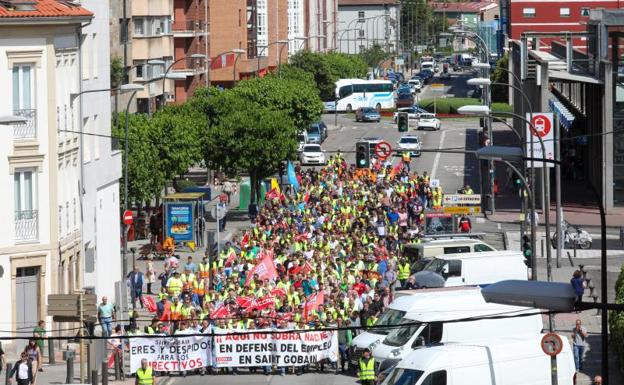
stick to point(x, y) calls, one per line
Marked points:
point(190, 27)
point(26, 225)
point(27, 130)
point(191, 65)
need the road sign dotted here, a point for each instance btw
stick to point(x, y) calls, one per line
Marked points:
point(437, 87)
point(544, 129)
point(67, 306)
point(213, 212)
point(383, 150)
point(127, 217)
point(462, 210)
point(551, 344)
point(461, 199)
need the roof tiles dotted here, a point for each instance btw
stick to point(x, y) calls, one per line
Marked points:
point(43, 9)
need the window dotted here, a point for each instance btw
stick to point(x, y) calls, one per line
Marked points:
point(240, 15)
point(361, 15)
point(94, 129)
point(436, 378)
point(94, 54)
point(584, 11)
point(139, 27)
point(24, 190)
point(480, 248)
point(564, 12)
point(139, 70)
point(123, 31)
point(528, 12)
point(456, 249)
point(23, 87)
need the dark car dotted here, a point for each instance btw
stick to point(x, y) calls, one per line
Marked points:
point(404, 89)
point(426, 75)
point(367, 114)
point(404, 100)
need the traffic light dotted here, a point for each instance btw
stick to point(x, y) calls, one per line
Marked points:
point(403, 122)
point(526, 250)
point(362, 155)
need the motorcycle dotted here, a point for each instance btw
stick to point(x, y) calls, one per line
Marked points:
point(572, 235)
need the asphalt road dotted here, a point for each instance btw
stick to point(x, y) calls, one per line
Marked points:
point(259, 379)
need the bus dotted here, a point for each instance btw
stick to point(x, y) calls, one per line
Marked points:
point(352, 94)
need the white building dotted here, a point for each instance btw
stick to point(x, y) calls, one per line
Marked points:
point(101, 163)
point(363, 23)
point(312, 25)
point(40, 243)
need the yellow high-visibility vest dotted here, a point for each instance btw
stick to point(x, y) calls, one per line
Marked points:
point(145, 376)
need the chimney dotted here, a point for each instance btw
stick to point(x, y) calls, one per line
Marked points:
point(19, 5)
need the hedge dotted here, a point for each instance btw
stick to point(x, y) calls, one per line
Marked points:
point(616, 322)
point(450, 105)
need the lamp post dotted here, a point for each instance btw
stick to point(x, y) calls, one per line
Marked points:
point(193, 56)
point(238, 52)
point(348, 40)
point(279, 54)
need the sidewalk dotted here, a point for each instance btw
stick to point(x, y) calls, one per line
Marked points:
point(614, 249)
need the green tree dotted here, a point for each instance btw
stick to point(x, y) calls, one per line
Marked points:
point(374, 55)
point(616, 321)
point(343, 66)
point(289, 72)
point(319, 67)
point(501, 93)
point(116, 72)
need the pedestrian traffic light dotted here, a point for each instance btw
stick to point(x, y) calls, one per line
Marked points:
point(526, 250)
point(403, 121)
point(362, 155)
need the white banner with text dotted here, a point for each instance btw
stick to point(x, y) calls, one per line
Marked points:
point(168, 354)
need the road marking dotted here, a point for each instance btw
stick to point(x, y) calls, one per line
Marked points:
point(434, 169)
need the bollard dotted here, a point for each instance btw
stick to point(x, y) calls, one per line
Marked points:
point(51, 357)
point(621, 236)
point(94, 377)
point(542, 248)
point(104, 372)
point(70, 371)
point(117, 366)
point(8, 370)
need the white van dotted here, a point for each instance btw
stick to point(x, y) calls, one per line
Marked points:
point(425, 325)
point(465, 269)
point(404, 302)
point(506, 361)
point(427, 65)
point(433, 248)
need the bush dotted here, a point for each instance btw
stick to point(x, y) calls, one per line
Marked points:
point(182, 184)
point(616, 322)
point(451, 105)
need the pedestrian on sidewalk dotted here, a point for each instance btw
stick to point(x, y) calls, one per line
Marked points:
point(39, 333)
point(597, 380)
point(23, 371)
point(150, 274)
point(578, 283)
point(227, 189)
point(135, 281)
point(106, 316)
point(34, 355)
point(145, 375)
point(579, 334)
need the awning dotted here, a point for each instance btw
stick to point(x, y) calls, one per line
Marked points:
point(564, 116)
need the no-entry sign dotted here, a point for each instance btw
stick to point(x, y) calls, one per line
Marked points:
point(127, 217)
point(543, 127)
point(551, 344)
point(383, 150)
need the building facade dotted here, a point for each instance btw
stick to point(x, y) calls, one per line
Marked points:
point(40, 241)
point(364, 23)
point(101, 162)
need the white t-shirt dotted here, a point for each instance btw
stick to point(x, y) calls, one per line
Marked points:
point(22, 371)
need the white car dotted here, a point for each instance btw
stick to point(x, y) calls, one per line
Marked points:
point(409, 143)
point(312, 154)
point(413, 112)
point(302, 139)
point(428, 121)
point(416, 83)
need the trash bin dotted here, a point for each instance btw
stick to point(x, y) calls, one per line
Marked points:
point(245, 195)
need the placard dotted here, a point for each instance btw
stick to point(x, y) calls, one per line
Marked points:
point(179, 222)
point(169, 354)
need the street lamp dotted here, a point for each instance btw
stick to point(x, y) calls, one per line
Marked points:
point(348, 40)
point(193, 56)
point(279, 54)
point(238, 52)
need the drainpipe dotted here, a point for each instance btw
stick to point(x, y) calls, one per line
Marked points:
point(207, 36)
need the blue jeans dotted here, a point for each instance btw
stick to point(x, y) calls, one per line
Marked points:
point(578, 356)
point(107, 326)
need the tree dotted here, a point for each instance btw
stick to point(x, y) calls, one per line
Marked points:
point(501, 93)
point(374, 55)
point(289, 72)
point(316, 65)
point(116, 72)
point(343, 66)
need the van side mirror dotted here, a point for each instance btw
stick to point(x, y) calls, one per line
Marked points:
point(419, 342)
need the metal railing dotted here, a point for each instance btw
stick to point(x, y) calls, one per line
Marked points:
point(193, 26)
point(26, 130)
point(26, 225)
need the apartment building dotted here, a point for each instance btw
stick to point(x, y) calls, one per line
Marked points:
point(191, 42)
point(362, 23)
point(320, 20)
point(101, 162)
point(141, 35)
point(40, 239)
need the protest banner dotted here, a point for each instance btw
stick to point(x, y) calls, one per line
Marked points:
point(281, 349)
point(168, 354)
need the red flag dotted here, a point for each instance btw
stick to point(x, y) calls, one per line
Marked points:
point(244, 302)
point(307, 268)
point(265, 269)
point(149, 304)
point(221, 312)
point(272, 194)
point(313, 302)
point(397, 169)
point(278, 292)
point(265, 302)
point(285, 317)
point(230, 259)
point(245, 240)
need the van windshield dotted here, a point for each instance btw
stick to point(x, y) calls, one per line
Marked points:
point(400, 336)
point(400, 376)
point(389, 317)
point(436, 265)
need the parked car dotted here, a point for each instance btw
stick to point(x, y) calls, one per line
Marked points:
point(367, 114)
point(322, 128)
point(429, 121)
point(475, 92)
point(409, 143)
point(302, 138)
point(404, 100)
point(416, 84)
point(314, 134)
point(312, 154)
point(413, 112)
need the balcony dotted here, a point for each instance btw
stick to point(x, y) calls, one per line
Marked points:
point(26, 130)
point(26, 225)
point(189, 28)
point(186, 68)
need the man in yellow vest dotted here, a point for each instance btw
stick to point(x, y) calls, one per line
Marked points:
point(145, 375)
point(404, 271)
point(407, 160)
point(366, 368)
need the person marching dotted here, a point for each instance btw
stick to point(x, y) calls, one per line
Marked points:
point(366, 367)
point(407, 160)
point(145, 374)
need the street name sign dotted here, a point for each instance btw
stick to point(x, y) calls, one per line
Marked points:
point(462, 199)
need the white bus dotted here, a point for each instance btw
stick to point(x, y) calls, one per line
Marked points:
point(352, 94)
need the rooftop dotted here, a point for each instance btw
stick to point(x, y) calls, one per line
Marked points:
point(467, 7)
point(37, 9)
